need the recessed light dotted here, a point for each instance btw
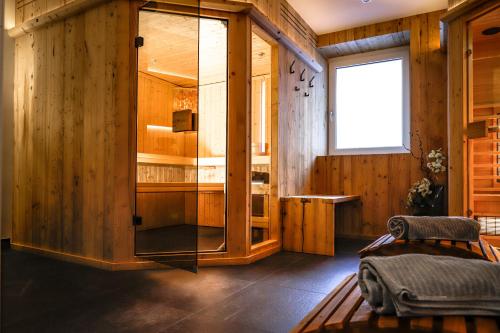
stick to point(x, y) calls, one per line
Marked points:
point(364, 2)
point(491, 31)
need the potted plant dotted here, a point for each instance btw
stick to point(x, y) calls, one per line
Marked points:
point(426, 196)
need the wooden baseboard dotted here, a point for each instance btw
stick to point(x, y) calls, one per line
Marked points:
point(97, 263)
point(256, 255)
point(140, 263)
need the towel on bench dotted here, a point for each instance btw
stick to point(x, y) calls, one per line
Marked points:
point(426, 285)
point(434, 227)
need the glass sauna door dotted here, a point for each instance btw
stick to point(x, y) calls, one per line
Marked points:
point(181, 136)
point(262, 136)
point(484, 117)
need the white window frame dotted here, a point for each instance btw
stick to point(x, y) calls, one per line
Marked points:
point(367, 58)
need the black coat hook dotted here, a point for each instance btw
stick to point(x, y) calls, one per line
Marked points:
point(306, 94)
point(302, 78)
point(291, 67)
point(311, 82)
point(297, 88)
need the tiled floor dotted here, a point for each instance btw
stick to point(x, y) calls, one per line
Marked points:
point(272, 295)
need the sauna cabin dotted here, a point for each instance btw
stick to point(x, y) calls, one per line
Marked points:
point(474, 115)
point(191, 133)
point(154, 130)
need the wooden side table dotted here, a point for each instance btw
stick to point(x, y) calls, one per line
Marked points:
point(309, 222)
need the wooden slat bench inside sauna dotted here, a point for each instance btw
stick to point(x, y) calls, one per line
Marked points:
point(345, 310)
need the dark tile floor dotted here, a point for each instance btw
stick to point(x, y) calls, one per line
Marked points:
point(179, 238)
point(272, 295)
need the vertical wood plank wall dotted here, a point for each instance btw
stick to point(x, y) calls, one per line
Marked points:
point(71, 175)
point(302, 124)
point(383, 180)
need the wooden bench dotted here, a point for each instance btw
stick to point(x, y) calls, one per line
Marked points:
point(308, 222)
point(388, 246)
point(345, 310)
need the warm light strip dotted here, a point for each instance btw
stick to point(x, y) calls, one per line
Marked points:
point(158, 71)
point(263, 116)
point(158, 127)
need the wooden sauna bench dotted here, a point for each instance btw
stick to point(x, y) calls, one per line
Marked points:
point(345, 310)
point(158, 202)
point(388, 246)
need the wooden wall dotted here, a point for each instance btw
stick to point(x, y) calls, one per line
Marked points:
point(383, 180)
point(282, 14)
point(302, 125)
point(72, 133)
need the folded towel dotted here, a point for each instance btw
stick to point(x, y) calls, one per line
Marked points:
point(425, 285)
point(434, 227)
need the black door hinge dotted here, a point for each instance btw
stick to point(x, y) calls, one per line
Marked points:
point(139, 41)
point(136, 220)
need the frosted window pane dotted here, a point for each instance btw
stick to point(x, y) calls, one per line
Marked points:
point(369, 105)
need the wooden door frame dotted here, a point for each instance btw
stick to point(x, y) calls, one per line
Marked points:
point(274, 209)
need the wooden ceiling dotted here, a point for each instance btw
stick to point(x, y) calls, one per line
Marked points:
point(170, 49)
point(261, 56)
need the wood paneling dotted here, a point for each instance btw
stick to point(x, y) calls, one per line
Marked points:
point(71, 122)
point(371, 43)
point(383, 180)
point(302, 124)
point(212, 134)
point(309, 222)
point(167, 204)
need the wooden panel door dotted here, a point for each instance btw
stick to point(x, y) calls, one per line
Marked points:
point(484, 121)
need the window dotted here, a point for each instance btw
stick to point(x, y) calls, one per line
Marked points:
point(369, 103)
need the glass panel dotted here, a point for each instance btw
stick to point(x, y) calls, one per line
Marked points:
point(167, 138)
point(376, 120)
point(484, 99)
point(261, 138)
point(182, 120)
point(212, 135)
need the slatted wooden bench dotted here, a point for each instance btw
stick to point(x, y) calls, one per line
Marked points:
point(388, 246)
point(345, 310)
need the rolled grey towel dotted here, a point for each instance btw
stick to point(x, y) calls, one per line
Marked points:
point(434, 227)
point(423, 285)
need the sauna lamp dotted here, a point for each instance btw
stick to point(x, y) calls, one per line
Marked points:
point(491, 31)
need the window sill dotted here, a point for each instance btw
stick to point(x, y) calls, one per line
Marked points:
point(369, 151)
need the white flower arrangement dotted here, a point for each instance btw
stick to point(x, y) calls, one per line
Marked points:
point(422, 187)
point(424, 192)
point(436, 159)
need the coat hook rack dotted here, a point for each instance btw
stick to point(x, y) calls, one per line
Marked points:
point(306, 94)
point(311, 85)
point(302, 78)
point(291, 67)
point(297, 88)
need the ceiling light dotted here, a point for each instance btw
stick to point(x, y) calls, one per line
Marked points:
point(491, 31)
point(364, 2)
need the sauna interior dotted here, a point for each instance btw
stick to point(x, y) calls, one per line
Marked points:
point(230, 165)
